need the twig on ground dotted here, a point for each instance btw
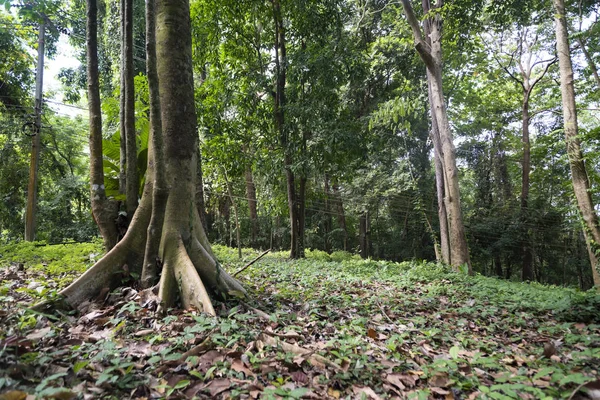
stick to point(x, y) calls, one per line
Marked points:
point(384, 313)
point(250, 263)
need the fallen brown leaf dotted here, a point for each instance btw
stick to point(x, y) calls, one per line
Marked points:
point(395, 379)
point(217, 386)
point(367, 391)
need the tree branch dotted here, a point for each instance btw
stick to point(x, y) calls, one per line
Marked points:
point(421, 46)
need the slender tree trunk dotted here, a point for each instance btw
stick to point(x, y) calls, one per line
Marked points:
point(581, 184)
point(284, 139)
point(123, 94)
point(440, 189)
point(527, 84)
point(300, 198)
point(508, 271)
point(200, 203)
point(160, 192)
point(527, 271)
point(498, 265)
point(252, 209)
point(103, 210)
point(235, 214)
point(430, 52)
point(459, 252)
point(364, 231)
point(341, 216)
point(362, 234)
point(327, 217)
point(293, 211)
point(132, 181)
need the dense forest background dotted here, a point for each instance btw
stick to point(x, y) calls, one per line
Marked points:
point(333, 93)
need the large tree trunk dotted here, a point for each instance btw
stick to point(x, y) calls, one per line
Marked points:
point(131, 180)
point(104, 211)
point(581, 184)
point(190, 269)
point(430, 52)
point(252, 209)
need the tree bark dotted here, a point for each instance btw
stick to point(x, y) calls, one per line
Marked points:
point(132, 182)
point(581, 184)
point(252, 209)
point(104, 211)
point(431, 55)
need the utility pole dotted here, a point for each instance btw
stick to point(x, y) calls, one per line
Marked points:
point(36, 142)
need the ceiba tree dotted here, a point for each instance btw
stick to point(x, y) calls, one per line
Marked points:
point(166, 225)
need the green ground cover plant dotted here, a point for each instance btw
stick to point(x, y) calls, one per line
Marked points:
point(330, 326)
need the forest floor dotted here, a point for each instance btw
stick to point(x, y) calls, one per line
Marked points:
point(328, 327)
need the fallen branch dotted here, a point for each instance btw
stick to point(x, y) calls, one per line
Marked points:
point(314, 359)
point(250, 263)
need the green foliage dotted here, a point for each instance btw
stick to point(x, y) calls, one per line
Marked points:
point(111, 147)
point(53, 260)
point(16, 64)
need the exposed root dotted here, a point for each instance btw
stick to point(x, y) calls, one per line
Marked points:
point(108, 271)
point(215, 277)
point(167, 290)
point(192, 290)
